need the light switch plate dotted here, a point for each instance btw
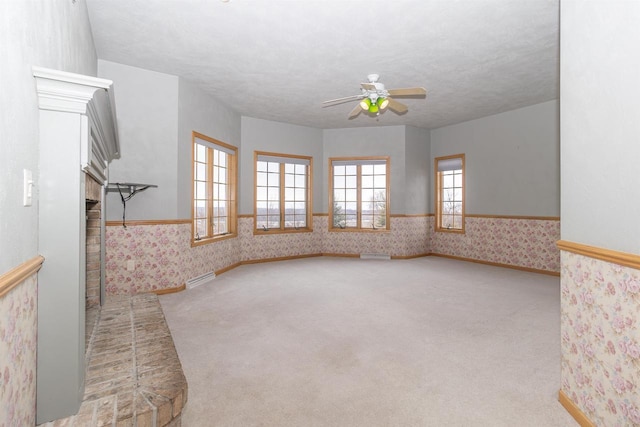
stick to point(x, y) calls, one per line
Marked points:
point(28, 187)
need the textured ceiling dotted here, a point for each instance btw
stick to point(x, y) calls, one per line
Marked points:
point(279, 59)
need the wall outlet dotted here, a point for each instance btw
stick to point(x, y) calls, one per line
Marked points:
point(131, 265)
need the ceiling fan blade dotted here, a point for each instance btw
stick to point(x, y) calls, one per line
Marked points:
point(397, 106)
point(340, 100)
point(368, 86)
point(407, 91)
point(355, 111)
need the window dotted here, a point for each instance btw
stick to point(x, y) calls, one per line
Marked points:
point(450, 193)
point(214, 189)
point(359, 193)
point(283, 192)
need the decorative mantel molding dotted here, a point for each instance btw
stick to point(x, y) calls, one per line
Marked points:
point(62, 91)
point(89, 96)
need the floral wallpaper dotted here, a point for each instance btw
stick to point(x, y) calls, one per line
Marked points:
point(165, 259)
point(267, 246)
point(408, 236)
point(600, 327)
point(527, 243)
point(163, 255)
point(18, 348)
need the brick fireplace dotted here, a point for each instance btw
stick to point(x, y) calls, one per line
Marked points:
point(93, 196)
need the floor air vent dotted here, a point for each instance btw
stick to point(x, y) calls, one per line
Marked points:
point(199, 280)
point(374, 256)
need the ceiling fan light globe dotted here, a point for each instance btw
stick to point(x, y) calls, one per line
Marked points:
point(382, 103)
point(365, 104)
point(374, 108)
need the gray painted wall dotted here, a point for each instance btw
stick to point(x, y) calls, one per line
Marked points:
point(417, 170)
point(377, 141)
point(512, 160)
point(200, 112)
point(147, 114)
point(43, 33)
point(265, 135)
point(600, 93)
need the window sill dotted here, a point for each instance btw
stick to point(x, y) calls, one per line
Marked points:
point(449, 230)
point(212, 239)
point(360, 230)
point(258, 232)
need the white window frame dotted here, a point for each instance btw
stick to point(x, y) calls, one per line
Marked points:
point(206, 184)
point(282, 185)
point(356, 193)
point(450, 193)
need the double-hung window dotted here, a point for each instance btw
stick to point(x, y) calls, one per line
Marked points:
point(359, 193)
point(450, 193)
point(282, 192)
point(214, 189)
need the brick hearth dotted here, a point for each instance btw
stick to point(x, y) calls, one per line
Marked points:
point(134, 376)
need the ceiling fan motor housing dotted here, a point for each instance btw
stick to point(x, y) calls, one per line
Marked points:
point(374, 97)
point(374, 94)
point(374, 90)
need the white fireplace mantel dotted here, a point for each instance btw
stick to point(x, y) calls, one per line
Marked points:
point(92, 98)
point(78, 136)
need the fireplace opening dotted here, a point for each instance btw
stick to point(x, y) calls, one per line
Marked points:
point(93, 198)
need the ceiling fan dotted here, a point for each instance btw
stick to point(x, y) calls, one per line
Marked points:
point(375, 98)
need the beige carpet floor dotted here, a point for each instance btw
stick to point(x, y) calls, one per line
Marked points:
point(349, 342)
